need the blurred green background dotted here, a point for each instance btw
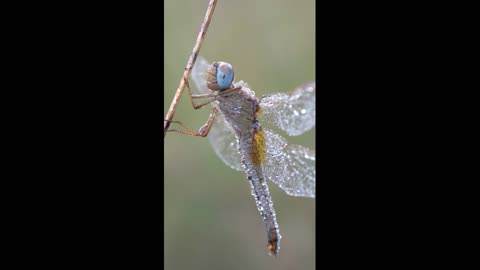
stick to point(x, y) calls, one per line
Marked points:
point(211, 220)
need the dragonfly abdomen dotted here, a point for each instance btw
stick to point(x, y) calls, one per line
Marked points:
point(261, 193)
point(240, 111)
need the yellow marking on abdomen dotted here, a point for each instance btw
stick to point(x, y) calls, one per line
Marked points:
point(258, 147)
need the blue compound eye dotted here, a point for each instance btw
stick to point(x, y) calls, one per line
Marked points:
point(224, 75)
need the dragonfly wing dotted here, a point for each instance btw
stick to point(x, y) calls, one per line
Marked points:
point(225, 143)
point(290, 167)
point(293, 113)
point(199, 75)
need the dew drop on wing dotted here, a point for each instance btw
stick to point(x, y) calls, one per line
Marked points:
point(293, 113)
point(290, 167)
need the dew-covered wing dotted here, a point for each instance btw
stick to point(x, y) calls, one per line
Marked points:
point(199, 75)
point(224, 142)
point(291, 167)
point(293, 113)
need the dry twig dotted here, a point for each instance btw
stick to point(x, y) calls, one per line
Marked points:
point(188, 68)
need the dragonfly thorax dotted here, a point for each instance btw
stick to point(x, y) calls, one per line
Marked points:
point(219, 76)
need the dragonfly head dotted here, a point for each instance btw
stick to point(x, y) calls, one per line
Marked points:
point(219, 76)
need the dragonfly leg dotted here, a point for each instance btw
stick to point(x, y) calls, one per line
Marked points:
point(192, 96)
point(198, 106)
point(209, 95)
point(230, 91)
point(202, 132)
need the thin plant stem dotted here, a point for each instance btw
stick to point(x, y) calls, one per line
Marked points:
point(188, 68)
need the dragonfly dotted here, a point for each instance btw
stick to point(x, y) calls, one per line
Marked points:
point(241, 140)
